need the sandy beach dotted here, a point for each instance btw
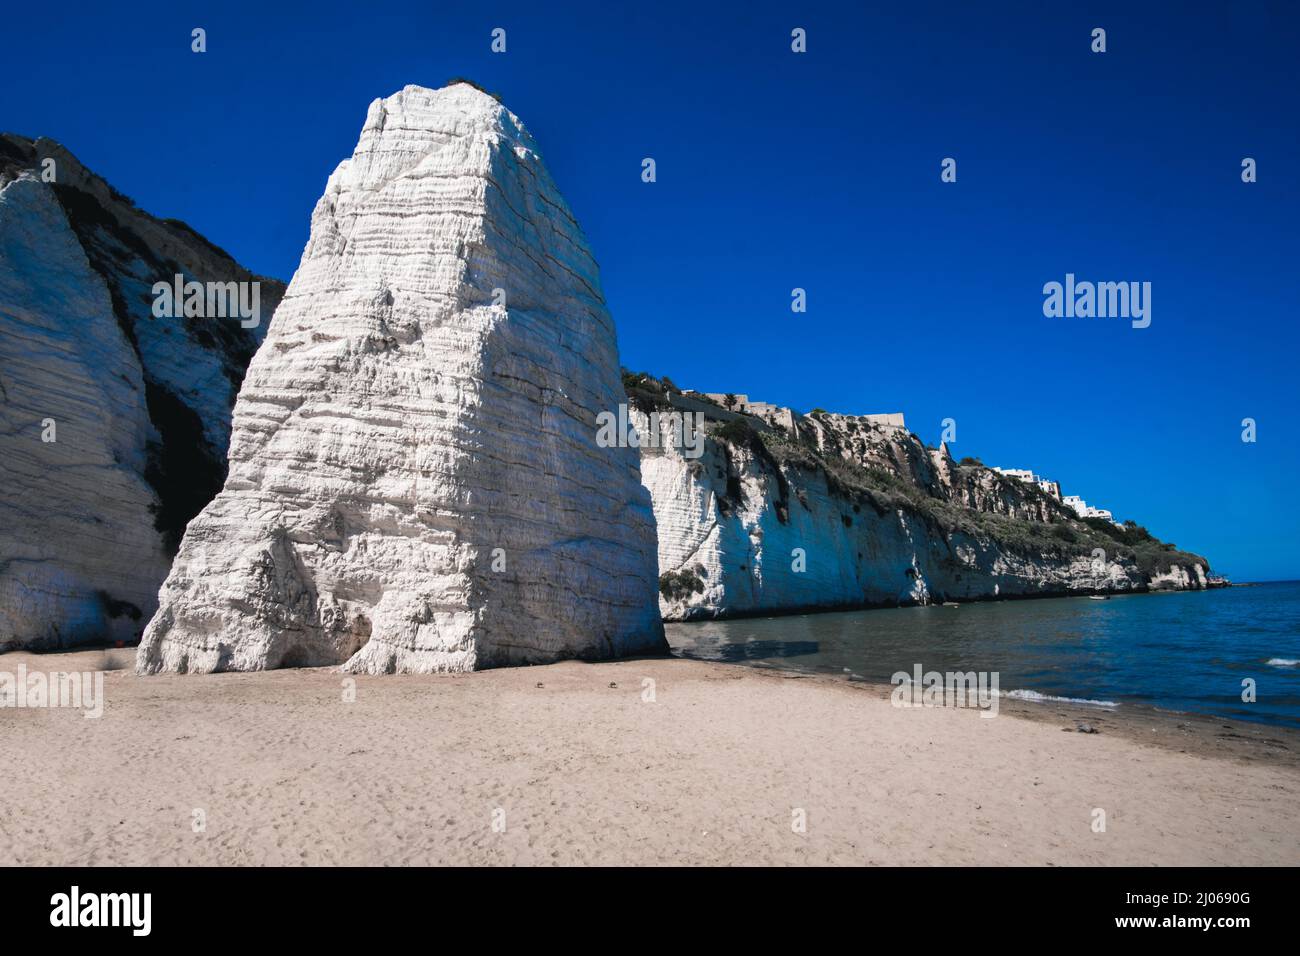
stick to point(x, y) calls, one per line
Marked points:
point(572, 764)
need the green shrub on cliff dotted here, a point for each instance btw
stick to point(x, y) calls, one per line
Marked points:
point(1065, 533)
point(680, 585)
point(644, 391)
point(738, 432)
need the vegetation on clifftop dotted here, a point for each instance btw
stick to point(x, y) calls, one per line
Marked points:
point(1065, 535)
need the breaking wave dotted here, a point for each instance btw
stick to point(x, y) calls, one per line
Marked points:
point(1036, 697)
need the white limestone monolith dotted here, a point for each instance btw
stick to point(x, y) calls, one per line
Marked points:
point(415, 480)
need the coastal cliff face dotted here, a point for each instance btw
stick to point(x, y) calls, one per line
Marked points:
point(114, 424)
point(415, 480)
point(847, 513)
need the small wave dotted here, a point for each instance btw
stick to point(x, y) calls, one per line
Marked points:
point(1036, 697)
point(1282, 662)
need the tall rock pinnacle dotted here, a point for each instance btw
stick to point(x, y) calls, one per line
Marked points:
point(415, 483)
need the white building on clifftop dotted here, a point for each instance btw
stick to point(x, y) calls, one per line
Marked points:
point(1085, 510)
point(1053, 488)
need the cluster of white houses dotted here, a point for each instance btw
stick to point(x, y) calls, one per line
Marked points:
point(1053, 488)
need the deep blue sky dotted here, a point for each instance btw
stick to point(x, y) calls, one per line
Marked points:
point(819, 170)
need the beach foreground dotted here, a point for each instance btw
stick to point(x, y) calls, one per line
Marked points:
point(571, 764)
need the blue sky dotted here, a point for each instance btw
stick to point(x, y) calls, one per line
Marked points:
point(819, 171)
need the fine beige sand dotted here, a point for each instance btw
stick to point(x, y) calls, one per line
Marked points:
point(579, 768)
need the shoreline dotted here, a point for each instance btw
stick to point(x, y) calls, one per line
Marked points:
point(705, 615)
point(1079, 710)
point(1287, 738)
point(1176, 658)
point(583, 769)
point(1175, 731)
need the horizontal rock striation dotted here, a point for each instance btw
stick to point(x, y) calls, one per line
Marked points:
point(847, 513)
point(415, 483)
point(114, 424)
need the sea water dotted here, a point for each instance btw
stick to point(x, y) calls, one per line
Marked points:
point(1202, 652)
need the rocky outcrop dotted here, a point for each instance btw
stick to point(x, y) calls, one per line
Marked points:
point(846, 513)
point(415, 481)
point(114, 424)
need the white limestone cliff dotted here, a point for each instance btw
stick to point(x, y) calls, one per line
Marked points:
point(415, 483)
point(761, 525)
point(113, 424)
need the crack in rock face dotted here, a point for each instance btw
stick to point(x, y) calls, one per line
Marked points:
point(414, 481)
